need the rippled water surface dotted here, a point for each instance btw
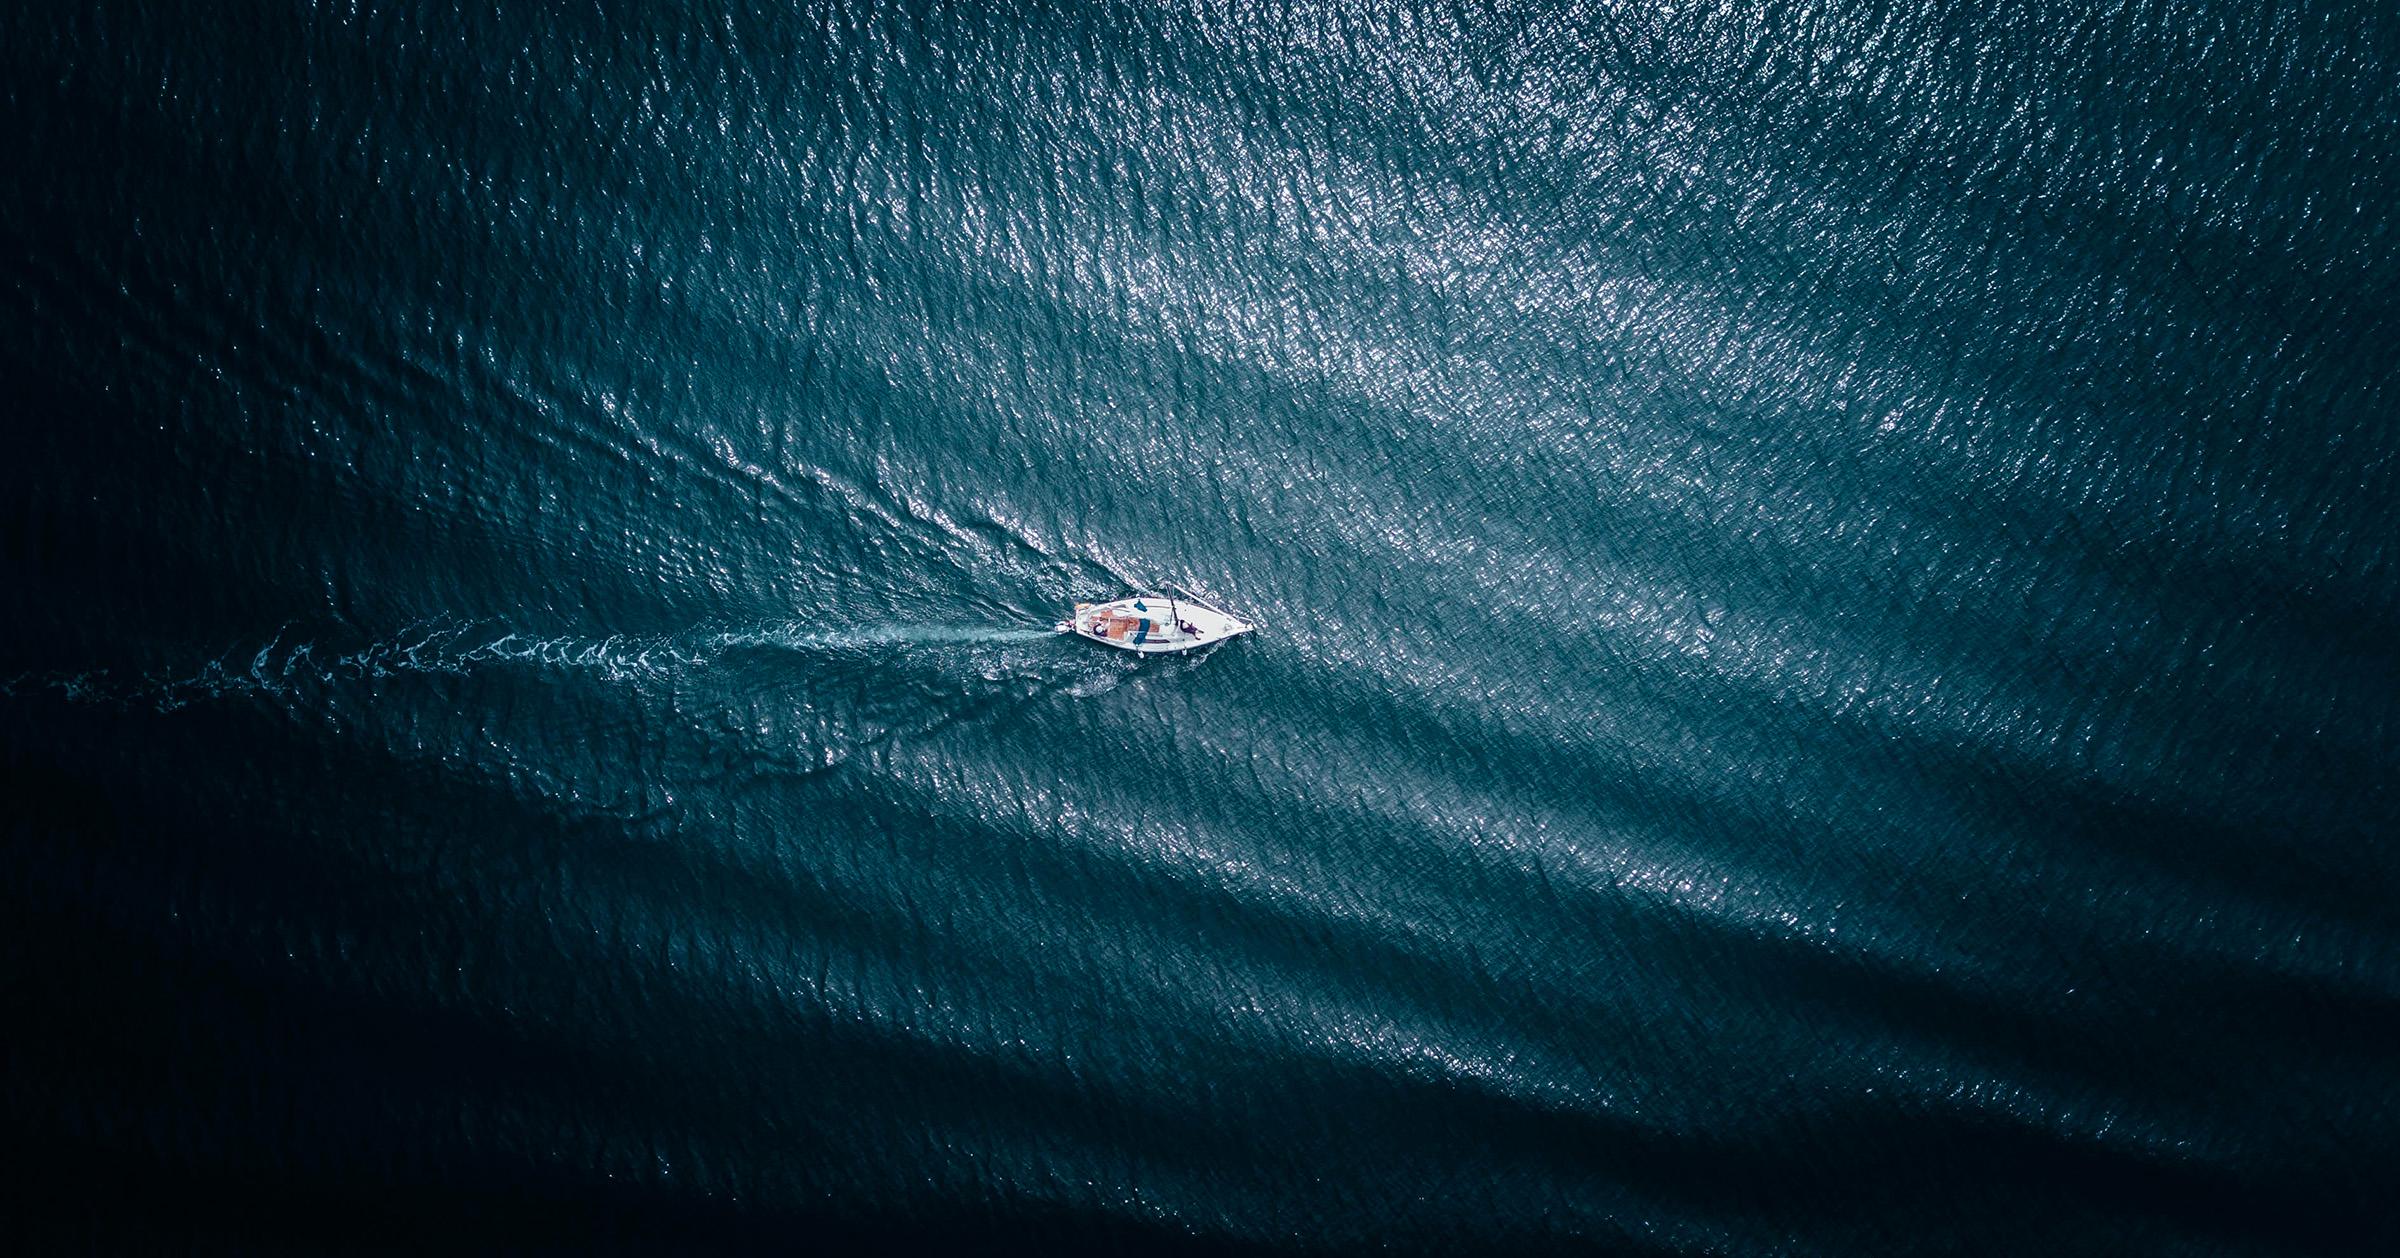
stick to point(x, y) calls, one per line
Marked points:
point(1828, 686)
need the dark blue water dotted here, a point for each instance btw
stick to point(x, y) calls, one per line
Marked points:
point(1831, 680)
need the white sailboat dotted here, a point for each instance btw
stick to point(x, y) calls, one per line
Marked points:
point(1154, 624)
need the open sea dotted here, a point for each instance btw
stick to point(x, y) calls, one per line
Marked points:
point(1830, 680)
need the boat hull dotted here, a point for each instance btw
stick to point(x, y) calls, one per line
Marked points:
point(1149, 624)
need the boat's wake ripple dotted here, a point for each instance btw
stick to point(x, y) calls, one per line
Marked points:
point(286, 664)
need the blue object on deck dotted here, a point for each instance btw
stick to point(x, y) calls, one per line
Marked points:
point(1137, 606)
point(1141, 630)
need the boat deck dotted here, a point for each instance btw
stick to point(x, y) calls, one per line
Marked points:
point(1151, 625)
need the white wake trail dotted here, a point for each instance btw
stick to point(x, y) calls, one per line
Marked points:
point(281, 668)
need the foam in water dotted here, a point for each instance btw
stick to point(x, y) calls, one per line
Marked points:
point(281, 665)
